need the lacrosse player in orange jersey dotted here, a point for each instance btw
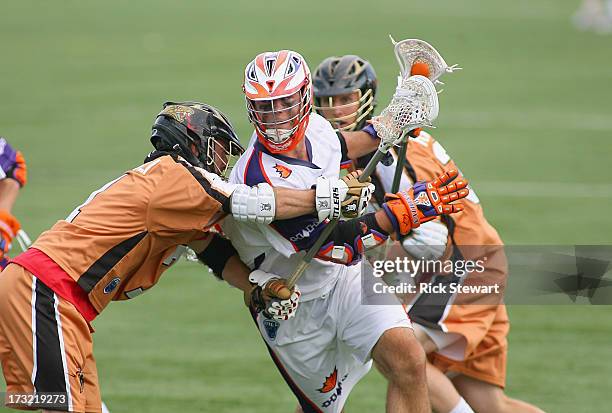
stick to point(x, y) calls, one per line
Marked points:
point(468, 341)
point(13, 176)
point(117, 244)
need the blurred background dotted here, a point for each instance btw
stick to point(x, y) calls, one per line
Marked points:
point(528, 120)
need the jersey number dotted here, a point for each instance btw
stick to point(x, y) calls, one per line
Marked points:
point(90, 198)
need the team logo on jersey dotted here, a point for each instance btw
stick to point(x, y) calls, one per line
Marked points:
point(334, 385)
point(283, 171)
point(271, 327)
point(330, 382)
point(304, 233)
point(112, 285)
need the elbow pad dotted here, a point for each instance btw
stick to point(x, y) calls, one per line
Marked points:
point(217, 254)
point(253, 203)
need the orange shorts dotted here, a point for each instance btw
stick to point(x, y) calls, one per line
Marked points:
point(45, 346)
point(487, 360)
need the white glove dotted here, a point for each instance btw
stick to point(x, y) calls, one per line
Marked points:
point(428, 241)
point(345, 197)
point(263, 297)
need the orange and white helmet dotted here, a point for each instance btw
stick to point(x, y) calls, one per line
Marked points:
point(277, 88)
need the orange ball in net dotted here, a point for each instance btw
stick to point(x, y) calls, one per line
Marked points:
point(419, 68)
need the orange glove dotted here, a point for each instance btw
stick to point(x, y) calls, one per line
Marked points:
point(9, 225)
point(12, 163)
point(424, 201)
point(20, 173)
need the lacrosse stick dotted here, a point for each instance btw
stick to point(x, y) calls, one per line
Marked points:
point(414, 105)
point(416, 57)
point(419, 58)
point(23, 240)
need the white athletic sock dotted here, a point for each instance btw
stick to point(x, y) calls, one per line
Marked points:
point(462, 407)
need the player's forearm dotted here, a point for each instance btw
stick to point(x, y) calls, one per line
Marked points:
point(223, 260)
point(236, 274)
point(9, 189)
point(359, 143)
point(385, 223)
point(291, 203)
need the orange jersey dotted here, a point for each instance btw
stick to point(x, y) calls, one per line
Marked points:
point(118, 243)
point(426, 159)
point(471, 237)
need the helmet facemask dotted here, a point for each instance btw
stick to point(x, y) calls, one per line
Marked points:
point(363, 104)
point(221, 156)
point(281, 121)
point(345, 91)
point(278, 92)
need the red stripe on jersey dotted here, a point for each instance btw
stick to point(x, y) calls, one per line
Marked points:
point(52, 275)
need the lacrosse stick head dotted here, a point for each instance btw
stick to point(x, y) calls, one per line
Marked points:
point(409, 52)
point(414, 105)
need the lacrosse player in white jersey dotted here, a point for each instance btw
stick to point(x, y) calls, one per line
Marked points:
point(329, 345)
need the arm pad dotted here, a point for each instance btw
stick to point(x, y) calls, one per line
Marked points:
point(217, 254)
point(253, 203)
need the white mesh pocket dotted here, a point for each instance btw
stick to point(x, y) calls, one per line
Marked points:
point(414, 105)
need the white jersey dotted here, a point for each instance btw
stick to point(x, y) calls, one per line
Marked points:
point(279, 247)
point(326, 348)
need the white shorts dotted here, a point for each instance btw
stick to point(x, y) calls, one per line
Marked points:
point(326, 348)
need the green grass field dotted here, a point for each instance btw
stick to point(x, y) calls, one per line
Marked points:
point(529, 120)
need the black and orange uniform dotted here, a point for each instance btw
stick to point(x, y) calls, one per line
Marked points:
point(114, 246)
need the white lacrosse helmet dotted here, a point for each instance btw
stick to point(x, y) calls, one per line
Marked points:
point(277, 88)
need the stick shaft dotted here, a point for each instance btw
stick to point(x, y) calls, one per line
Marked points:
point(23, 239)
point(312, 251)
point(399, 167)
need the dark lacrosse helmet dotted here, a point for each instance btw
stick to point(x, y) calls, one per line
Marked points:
point(342, 76)
point(199, 133)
